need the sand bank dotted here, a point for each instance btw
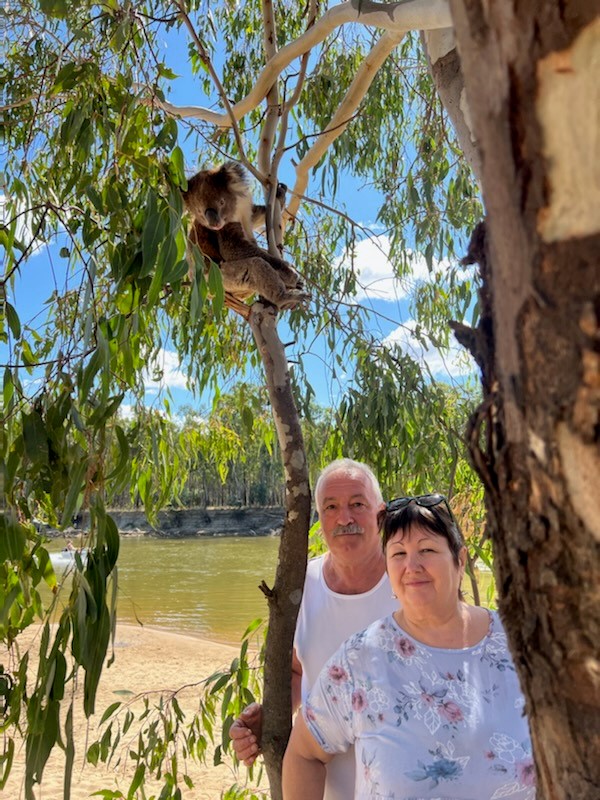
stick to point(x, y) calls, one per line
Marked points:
point(145, 660)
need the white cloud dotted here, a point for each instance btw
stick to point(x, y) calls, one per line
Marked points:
point(376, 278)
point(453, 362)
point(173, 377)
point(126, 412)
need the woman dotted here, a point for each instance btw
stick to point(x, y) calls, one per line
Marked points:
point(428, 695)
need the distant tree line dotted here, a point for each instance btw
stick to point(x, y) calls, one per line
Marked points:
point(254, 481)
point(227, 456)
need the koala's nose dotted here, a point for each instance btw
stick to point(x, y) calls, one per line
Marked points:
point(212, 217)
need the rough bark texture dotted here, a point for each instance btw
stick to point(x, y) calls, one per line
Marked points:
point(284, 598)
point(535, 438)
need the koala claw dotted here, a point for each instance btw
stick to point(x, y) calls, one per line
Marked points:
point(293, 298)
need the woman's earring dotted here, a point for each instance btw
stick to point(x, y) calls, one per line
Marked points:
point(394, 596)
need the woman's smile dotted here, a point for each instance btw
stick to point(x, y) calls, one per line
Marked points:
point(416, 583)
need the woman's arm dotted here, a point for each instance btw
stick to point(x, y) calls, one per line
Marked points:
point(296, 682)
point(304, 765)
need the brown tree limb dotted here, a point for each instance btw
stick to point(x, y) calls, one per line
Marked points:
point(444, 64)
point(284, 598)
point(532, 108)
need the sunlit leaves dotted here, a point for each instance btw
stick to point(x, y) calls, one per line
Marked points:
point(407, 428)
point(13, 319)
point(165, 738)
point(12, 540)
point(55, 8)
point(177, 167)
point(70, 76)
point(152, 235)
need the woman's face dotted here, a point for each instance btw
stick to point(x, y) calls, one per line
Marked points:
point(422, 571)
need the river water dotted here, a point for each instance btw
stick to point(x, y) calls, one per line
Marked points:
point(206, 587)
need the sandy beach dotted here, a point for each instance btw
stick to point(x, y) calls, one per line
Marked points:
point(145, 660)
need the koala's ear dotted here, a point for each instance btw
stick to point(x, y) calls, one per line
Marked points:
point(235, 170)
point(191, 185)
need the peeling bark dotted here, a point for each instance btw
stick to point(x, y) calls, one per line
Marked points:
point(444, 65)
point(535, 439)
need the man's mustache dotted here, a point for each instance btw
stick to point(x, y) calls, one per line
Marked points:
point(346, 530)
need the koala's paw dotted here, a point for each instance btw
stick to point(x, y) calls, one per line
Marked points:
point(293, 298)
point(290, 277)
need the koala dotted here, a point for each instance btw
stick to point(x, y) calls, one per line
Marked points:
point(223, 219)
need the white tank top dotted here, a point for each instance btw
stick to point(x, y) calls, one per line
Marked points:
point(325, 620)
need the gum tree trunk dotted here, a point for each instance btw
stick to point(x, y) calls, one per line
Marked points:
point(531, 76)
point(284, 598)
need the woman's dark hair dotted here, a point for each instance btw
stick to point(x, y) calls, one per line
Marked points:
point(436, 518)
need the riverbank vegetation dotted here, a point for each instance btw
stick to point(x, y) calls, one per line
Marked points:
point(246, 469)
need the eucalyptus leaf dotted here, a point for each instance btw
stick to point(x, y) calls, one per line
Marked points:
point(13, 319)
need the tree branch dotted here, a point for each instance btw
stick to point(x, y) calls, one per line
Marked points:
point(393, 17)
point(444, 65)
point(284, 598)
point(219, 86)
point(270, 124)
point(364, 77)
point(268, 132)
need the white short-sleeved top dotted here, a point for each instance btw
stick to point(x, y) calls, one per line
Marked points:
point(427, 723)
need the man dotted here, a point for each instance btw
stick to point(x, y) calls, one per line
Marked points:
point(345, 590)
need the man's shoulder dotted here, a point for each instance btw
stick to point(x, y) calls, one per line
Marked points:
point(315, 567)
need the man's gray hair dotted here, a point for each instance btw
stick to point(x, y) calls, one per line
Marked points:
point(347, 465)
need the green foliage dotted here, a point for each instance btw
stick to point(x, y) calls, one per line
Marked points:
point(395, 419)
point(240, 464)
point(236, 792)
point(160, 740)
point(94, 167)
point(86, 623)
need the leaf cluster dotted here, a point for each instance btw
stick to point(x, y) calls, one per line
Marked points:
point(160, 740)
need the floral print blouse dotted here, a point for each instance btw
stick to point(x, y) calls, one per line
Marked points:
point(427, 723)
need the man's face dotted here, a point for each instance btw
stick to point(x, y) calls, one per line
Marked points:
point(348, 513)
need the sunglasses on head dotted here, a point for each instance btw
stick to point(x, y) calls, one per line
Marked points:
point(425, 500)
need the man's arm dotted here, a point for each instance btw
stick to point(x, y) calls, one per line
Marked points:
point(246, 730)
point(304, 765)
